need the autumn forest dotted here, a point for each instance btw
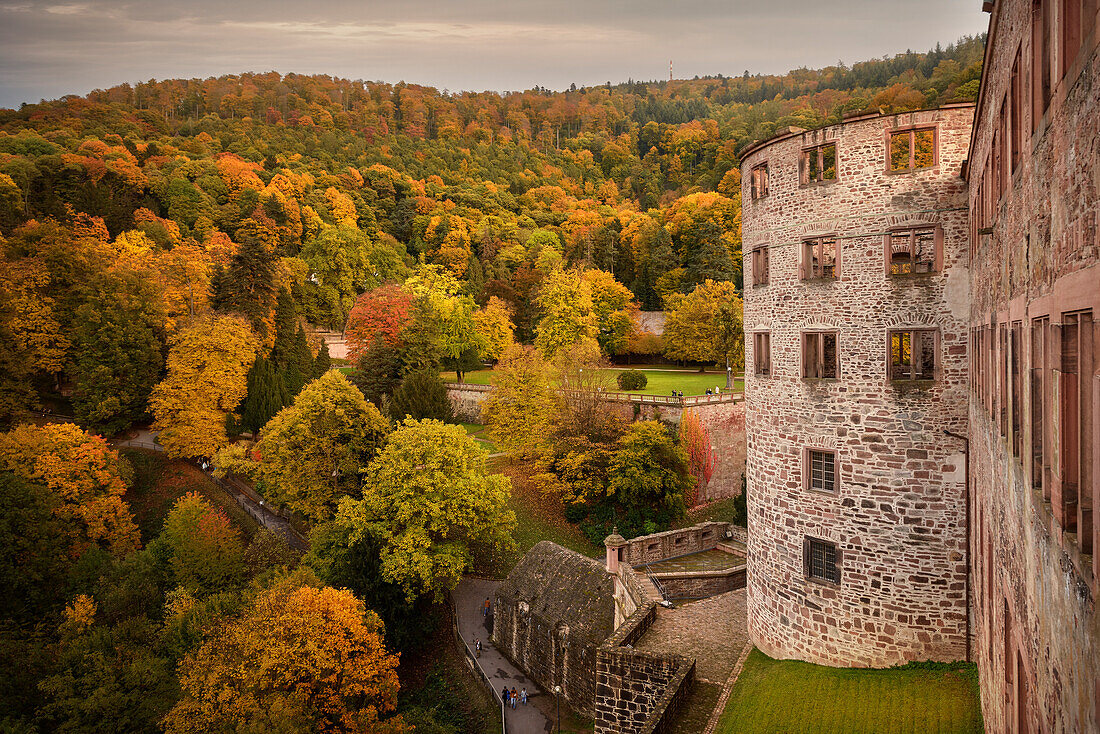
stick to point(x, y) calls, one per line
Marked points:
point(172, 254)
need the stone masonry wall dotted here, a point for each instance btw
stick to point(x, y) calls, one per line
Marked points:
point(700, 584)
point(897, 516)
point(659, 546)
point(636, 692)
point(1037, 640)
point(466, 400)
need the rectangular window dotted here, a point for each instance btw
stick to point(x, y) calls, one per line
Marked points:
point(1017, 387)
point(819, 259)
point(1039, 404)
point(911, 150)
point(760, 265)
point(1070, 25)
point(1074, 504)
point(1017, 112)
point(760, 181)
point(912, 251)
point(821, 472)
point(1002, 371)
point(1040, 60)
point(913, 354)
point(819, 354)
point(762, 353)
point(818, 164)
point(821, 560)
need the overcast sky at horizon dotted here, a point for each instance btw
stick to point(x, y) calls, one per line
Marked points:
point(49, 49)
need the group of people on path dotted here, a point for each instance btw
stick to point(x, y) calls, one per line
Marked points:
point(510, 697)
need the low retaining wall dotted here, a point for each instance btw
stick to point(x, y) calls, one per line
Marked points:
point(671, 543)
point(701, 584)
point(466, 400)
point(637, 692)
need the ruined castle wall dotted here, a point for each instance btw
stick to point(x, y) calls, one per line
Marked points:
point(1034, 180)
point(896, 515)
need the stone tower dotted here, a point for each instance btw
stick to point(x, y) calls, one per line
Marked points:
point(856, 310)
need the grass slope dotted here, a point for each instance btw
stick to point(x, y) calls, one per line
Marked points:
point(160, 481)
point(801, 698)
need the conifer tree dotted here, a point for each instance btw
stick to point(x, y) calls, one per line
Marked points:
point(266, 395)
point(378, 371)
point(323, 363)
point(299, 368)
point(286, 319)
point(248, 287)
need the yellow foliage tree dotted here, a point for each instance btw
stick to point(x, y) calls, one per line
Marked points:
point(207, 368)
point(494, 323)
point(298, 659)
point(86, 475)
point(520, 409)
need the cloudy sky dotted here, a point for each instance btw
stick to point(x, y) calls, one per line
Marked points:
point(48, 49)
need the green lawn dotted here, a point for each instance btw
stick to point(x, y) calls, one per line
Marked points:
point(801, 698)
point(661, 382)
point(478, 432)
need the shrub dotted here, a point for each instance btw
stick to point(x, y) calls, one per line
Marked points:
point(420, 395)
point(632, 380)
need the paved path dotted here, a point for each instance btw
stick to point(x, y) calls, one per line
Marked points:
point(713, 631)
point(468, 599)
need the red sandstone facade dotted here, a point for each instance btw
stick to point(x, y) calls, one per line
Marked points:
point(1034, 182)
point(856, 315)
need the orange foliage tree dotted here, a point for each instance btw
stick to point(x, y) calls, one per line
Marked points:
point(381, 313)
point(298, 659)
point(695, 441)
point(85, 473)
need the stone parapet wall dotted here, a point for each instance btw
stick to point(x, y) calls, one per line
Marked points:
point(630, 595)
point(671, 543)
point(636, 692)
point(896, 515)
point(466, 400)
point(701, 584)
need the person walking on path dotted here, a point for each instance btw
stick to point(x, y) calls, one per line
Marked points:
point(513, 696)
point(477, 646)
point(504, 695)
point(485, 607)
point(523, 695)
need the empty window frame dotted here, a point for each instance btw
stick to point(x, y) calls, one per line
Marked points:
point(819, 354)
point(760, 265)
point(1040, 404)
point(913, 250)
point(1073, 502)
point(1069, 23)
point(1017, 111)
point(911, 150)
point(913, 354)
point(1040, 60)
point(1002, 373)
point(762, 353)
point(818, 164)
point(760, 181)
point(1016, 374)
point(819, 259)
point(821, 560)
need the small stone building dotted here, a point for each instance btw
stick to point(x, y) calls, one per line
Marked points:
point(552, 613)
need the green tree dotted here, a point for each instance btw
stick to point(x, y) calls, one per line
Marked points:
point(614, 308)
point(420, 395)
point(248, 285)
point(204, 550)
point(649, 474)
point(429, 501)
point(378, 371)
point(286, 324)
point(118, 353)
point(34, 564)
point(344, 263)
point(323, 362)
point(266, 395)
point(312, 453)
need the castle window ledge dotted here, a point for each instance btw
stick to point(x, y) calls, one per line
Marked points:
point(913, 384)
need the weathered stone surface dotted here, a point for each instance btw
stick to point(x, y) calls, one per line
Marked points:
point(1037, 632)
point(552, 612)
point(898, 515)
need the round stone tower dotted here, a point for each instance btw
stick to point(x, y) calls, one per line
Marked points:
point(856, 305)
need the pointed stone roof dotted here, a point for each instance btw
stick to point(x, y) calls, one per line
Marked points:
point(563, 587)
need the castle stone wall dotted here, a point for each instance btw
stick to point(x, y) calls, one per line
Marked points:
point(1036, 252)
point(897, 516)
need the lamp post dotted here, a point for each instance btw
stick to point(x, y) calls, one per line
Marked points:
point(263, 514)
point(557, 702)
